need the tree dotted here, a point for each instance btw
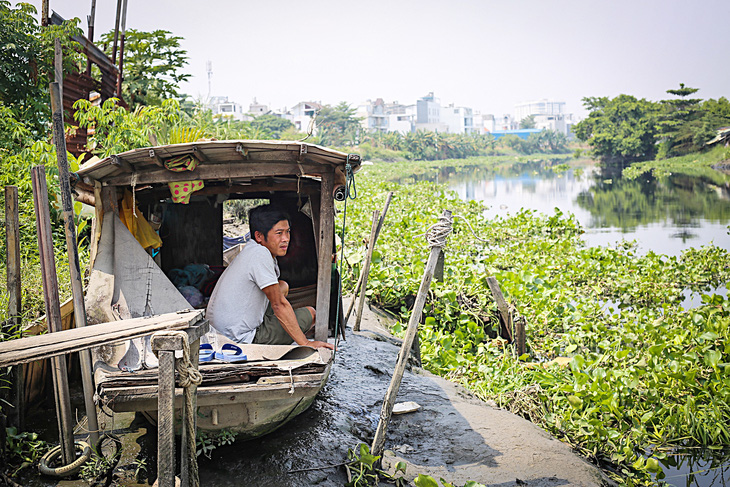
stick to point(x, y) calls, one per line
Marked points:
point(528, 122)
point(338, 125)
point(622, 129)
point(26, 65)
point(152, 66)
point(272, 124)
point(680, 124)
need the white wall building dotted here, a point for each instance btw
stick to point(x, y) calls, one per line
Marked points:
point(302, 114)
point(222, 107)
point(458, 120)
point(539, 107)
point(372, 116)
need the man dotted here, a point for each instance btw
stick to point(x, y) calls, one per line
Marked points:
point(249, 302)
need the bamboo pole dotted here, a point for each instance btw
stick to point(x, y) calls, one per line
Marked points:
point(53, 311)
point(120, 76)
point(90, 24)
point(77, 288)
point(411, 331)
point(15, 300)
point(377, 234)
point(366, 270)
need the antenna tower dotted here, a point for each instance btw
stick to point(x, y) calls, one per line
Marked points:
point(209, 69)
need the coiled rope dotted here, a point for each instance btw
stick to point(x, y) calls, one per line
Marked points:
point(437, 233)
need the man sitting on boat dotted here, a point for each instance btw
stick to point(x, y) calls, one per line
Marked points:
point(249, 304)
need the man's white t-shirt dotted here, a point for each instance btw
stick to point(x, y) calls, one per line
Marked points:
point(237, 305)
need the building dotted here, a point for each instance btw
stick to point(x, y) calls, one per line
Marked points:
point(372, 116)
point(428, 114)
point(223, 108)
point(541, 107)
point(302, 114)
point(458, 120)
point(257, 108)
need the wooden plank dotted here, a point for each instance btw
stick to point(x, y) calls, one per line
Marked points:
point(15, 302)
point(324, 269)
point(53, 306)
point(166, 420)
point(215, 171)
point(28, 349)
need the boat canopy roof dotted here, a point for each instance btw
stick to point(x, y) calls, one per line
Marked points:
point(231, 160)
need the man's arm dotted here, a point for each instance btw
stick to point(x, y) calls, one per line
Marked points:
point(285, 313)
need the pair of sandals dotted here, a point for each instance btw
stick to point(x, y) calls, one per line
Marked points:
point(228, 353)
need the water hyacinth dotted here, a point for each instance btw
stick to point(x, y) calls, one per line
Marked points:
point(615, 366)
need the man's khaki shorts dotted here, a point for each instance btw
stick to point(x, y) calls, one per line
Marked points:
point(270, 332)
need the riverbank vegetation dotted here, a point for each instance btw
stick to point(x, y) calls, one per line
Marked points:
point(625, 129)
point(615, 366)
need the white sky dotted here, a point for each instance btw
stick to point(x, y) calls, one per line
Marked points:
point(484, 54)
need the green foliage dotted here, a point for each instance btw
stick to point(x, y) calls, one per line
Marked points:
point(24, 449)
point(26, 65)
point(622, 129)
point(338, 125)
point(644, 374)
point(272, 125)
point(207, 442)
point(363, 471)
point(153, 63)
point(528, 122)
point(545, 142)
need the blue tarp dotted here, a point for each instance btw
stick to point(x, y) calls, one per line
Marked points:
point(229, 242)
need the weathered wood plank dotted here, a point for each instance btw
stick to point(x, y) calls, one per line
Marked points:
point(28, 349)
point(324, 268)
point(216, 171)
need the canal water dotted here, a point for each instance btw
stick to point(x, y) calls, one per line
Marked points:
point(663, 215)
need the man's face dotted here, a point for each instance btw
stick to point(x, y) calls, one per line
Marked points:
point(277, 240)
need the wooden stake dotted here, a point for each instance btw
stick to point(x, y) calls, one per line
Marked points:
point(411, 331)
point(77, 288)
point(377, 234)
point(15, 304)
point(53, 311)
point(503, 308)
point(366, 270)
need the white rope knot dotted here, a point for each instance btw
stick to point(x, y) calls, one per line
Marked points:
point(437, 233)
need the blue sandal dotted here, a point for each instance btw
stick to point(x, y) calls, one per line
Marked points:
point(230, 353)
point(206, 352)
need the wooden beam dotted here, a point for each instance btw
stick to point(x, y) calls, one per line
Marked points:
point(122, 164)
point(156, 158)
point(216, 171)
point(28, 349)
point(15, 302)
point(324, 268)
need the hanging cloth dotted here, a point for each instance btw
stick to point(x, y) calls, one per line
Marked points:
point(135, 222)
point(182, 190)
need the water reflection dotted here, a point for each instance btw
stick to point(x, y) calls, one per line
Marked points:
point(664, 215)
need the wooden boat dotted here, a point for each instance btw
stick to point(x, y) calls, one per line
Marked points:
point(276, 382)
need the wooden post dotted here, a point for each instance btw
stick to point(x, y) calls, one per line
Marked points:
point(438, 273)
point(366, 270)
point(324, 268)
point(185, 466)
point(44, 13)
point(120, 76)
point(116, 31)
point(166, 419)
point(377, 234)
point(411, 331)
point(90, 24)
point(520, 337)
point(77, 288)
point(503, 308)
point(53, 311)
point(15, 304)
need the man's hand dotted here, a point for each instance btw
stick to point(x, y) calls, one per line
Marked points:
point(318, 344)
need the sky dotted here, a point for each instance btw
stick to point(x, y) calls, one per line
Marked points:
point(484, 54)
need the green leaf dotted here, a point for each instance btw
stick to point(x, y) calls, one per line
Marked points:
point(425, 481)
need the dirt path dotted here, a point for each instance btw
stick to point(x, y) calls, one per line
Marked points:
point(457, 437)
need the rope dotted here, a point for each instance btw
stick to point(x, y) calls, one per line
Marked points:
point(350, 194)
point(188, 377)
point(437, 233)
point(470, 228)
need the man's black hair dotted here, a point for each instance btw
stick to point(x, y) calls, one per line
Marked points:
point(263, 218)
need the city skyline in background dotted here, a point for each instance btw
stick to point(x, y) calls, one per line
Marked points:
point(486, 55)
